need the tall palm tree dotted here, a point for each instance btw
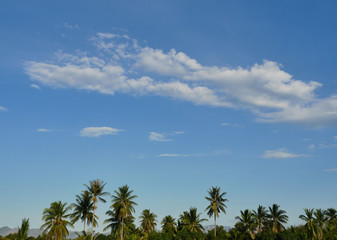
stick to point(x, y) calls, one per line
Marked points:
point(217, 204)
point(321, 220)
point(56, 222)
point(260, 216)
point(23, 230)
point(123, 204)
point(96, 189)
point(168, 225)
point(247, 221)
point(310, 225)
point(191, 221)
point(83, 208)
point(277, 216)
point(148, 220)
point(331, 213)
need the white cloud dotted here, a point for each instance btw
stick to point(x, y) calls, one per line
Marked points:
point(71, 26)
point(230, 124)
point(43, 130)
point(331, 170)
point(212, 154)
point(123, 66)
point(280, 153)
point(35, 86)
point(3, 109)
point(159, 137)
point(173, 155)
point(99, 131)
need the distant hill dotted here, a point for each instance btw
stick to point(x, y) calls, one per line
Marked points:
point(210, 227)
point(34, 232)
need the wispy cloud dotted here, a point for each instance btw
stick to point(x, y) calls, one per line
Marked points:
point(268, 91)
point(99, 131)
point(159, 137)
point(331, 170)
point(163, 137)
point(3, 109)
point(214, 153)
point(230, 124)
point(71, 26)
point(43, 130)
point(35, 86)
point(280, 153)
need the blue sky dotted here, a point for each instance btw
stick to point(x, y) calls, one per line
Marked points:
point(171, 98)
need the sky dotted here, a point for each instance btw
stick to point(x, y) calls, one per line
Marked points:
point(170, 98)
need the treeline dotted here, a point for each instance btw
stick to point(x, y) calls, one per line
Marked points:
point(260, 224)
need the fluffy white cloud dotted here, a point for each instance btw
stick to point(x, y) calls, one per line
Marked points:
point(99, 131)
point(124, 66)
point(159, 137)
point(3, 109)
point(280, 153)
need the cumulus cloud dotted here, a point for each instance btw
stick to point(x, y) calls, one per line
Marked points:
point(3, 109)
point(122, 65)
point(280, 153)
point(99, 131)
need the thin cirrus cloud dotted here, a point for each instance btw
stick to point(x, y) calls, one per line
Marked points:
point(211, 154)
point(35, 86)
point(163, 137)
point(43, 130)
point(3, 109)
point(99, 131)
point(122, 65)
point(280, 153)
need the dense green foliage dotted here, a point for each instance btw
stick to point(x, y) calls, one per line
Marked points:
point(264, 223)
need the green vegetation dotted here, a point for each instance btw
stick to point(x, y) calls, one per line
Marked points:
point(260, 224)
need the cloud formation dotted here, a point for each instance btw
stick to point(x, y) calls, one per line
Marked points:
point(43, 130)
point(3, 109)
point(121, 65)
point(280, 153)
point(99, 131)
point(159, 137)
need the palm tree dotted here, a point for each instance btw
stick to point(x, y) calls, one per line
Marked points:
point(55, 220)
point(148, 220)
point(331, 213)
point(278, 217)
point(123, 204)
point(247, 221)
point(217, 204)
point(168, 225)
point(96, 188)
point(260, 217)
point(83, 209)
point(321, 220)
point(23, 230)
point(311, 225)
point(115, 224)
point(191, 221)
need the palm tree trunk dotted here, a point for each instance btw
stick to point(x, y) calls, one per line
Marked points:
point(122, 228)
point(214, 225)
point(93, 218)
point(84, 226)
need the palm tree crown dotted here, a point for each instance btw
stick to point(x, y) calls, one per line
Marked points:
point(217, 203)
point(278, 216)
point(310, 225)
point(168, 224)
point(191, 221)
point(23, 230)
point(260, 216)
point(55, 220)
point(148, 220)
point(83, 208)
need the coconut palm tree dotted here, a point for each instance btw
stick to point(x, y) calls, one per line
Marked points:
point(247, 221)
point(321, 220)
point(55, 218)
point(311, 226)
point(168, 225)
point(23, 230)
point(217, 204)
point(96, 189)
point(277, 216)
point(191, 221)
point(148, 221)
point(123, 204)
point(260, 216)
point(331, 213)
point(83, 208)
point(115, 224)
